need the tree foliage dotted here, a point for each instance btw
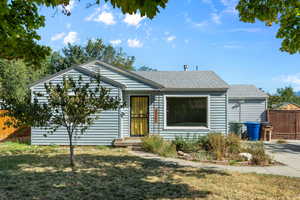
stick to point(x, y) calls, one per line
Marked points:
point(282, 95)
point(94, 49)
point(15, 76)
point(285, 13)
point(72, 104)
point(20, 20)
point(146, 68)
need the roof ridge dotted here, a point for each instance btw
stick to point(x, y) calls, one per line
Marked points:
point(177, 71)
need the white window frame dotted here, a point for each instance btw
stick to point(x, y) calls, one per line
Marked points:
point(187, 127)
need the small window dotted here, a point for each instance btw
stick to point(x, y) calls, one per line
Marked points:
point(186, 112)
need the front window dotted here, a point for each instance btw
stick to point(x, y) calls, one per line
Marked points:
point(186, 111)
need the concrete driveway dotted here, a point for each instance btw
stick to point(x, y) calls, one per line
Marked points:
point(288, 154)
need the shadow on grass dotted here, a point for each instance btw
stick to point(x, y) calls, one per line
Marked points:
point(96, 177)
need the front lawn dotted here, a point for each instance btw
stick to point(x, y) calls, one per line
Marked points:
point(30, 172)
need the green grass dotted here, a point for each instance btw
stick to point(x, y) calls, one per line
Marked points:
point(32, 172)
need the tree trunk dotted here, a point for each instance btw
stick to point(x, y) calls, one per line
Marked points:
point(72, 160)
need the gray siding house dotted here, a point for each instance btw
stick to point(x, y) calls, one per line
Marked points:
point(246, 103)
point(168, 103)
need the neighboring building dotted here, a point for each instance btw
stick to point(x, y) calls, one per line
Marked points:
point(286, 106)
point(246, 103)
point(169, 103)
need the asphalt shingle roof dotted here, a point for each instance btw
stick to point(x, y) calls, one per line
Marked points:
point(245, 91)
point(185, 79)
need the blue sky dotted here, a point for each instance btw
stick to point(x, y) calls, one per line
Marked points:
point(203, 33)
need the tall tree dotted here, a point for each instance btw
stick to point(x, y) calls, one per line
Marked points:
point(286, 94)
point(94, 49)
point(15, 76)
point(285, 13)
point(20, 20)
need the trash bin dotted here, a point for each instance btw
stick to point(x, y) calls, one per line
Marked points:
point(236, 128)
point(253, 130)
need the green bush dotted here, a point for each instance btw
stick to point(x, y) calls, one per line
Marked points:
point(187, 144)
point(156, 144)
point(259, 155)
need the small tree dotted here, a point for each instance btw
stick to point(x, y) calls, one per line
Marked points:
point(73, 105)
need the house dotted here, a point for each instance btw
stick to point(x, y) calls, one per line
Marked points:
point(168, 103)
point(286, 106)
point(246, 103)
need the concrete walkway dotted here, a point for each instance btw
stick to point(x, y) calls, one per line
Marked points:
point(289, 154)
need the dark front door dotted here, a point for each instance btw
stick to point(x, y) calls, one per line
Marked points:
point(139, 115)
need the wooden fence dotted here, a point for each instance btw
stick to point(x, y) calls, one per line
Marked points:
point(11, 133)
point(286, 123)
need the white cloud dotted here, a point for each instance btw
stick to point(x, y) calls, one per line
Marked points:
point(133, 20)
point(216, 18)
point(294, 80)
point(186, 41)
point(249, 30)
point(71, 38)
point(97, 11)
point(91, 16)
point(58, 36)
point(68, 25)
point(134, 43)
point(229, 6)
point(201, 24)
point(115, 42)
point(170, 38)
point(106, 18)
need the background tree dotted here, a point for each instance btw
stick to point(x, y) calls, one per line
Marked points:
point(15, 76)
point(285, 13)
point(94, 49)
point(282, 95)
point(145, 68)
point(20, 20)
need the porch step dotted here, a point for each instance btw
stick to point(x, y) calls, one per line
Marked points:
point(128, 142)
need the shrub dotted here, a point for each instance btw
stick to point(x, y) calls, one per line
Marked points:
point(187, 145)
point(217, 144)
point(156, 144)
point(204, 143)
point(259, 155)
point(233, 144)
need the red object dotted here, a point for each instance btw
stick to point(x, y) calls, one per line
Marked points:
point(155, 115)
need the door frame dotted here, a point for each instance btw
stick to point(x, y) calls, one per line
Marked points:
point(148, 110)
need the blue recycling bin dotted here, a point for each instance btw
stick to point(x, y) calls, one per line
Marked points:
point(253, 130)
